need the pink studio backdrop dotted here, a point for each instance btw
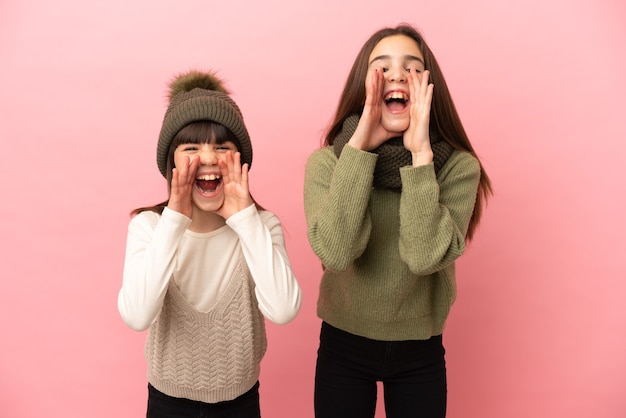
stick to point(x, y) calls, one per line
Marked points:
point(539, 326)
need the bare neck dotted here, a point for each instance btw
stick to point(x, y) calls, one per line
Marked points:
point(202, 221)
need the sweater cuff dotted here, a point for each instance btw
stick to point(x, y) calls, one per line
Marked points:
point(353, 161)
point(412, 174)
point(242, 216)
point(358, 158)
point(176, 217)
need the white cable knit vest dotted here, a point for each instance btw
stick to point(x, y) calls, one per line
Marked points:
point(208, 356)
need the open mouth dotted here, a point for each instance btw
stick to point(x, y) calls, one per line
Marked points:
point(396, 101)
point(208, 183)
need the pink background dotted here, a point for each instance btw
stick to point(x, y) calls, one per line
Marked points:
point(539, 326)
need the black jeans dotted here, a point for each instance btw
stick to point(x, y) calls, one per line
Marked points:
point(413, 374)
point(161, 405)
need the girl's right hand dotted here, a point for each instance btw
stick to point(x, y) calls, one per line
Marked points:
point(183, 180)
point(370, 133)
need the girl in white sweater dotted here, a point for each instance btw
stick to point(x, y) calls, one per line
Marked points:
point(204, 268)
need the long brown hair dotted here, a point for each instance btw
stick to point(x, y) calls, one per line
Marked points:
point(444, 118)
point(199, 132)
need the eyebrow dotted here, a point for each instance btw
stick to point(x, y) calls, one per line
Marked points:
point(406, 58)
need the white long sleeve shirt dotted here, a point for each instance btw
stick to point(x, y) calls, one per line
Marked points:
point(160, 248)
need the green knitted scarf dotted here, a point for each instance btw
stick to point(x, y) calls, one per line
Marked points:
point(392, 155)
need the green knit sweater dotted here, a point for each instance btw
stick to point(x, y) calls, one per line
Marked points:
point(388, 256)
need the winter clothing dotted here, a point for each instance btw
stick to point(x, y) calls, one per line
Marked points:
point(197, 96)
point(388, 255)
point(204, 296)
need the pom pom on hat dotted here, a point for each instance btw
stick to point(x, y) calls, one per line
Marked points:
point(200, 96)
point(195, 79)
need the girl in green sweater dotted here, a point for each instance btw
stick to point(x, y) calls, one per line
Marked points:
point(390, 201)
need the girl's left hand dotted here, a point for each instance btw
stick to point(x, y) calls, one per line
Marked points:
point(235, 182)
point(417, 137)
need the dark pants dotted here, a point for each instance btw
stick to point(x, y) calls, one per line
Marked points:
point(413, 374)
point(161, 405)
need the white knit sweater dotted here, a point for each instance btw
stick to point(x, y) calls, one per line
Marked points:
point(161, 252)
point(208, 356)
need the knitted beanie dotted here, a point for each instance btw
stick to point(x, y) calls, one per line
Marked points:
point(200, 96)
